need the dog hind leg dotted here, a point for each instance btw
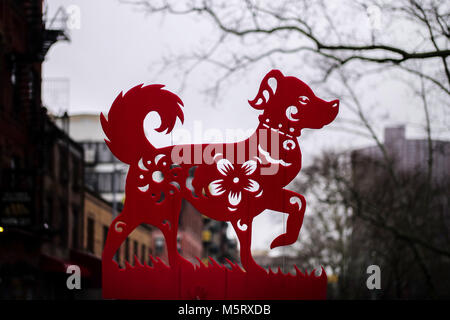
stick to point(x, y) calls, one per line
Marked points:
point(170, 231)
point(244, 233)
point(120, 228)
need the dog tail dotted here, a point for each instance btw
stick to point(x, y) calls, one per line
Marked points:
point(124, 127)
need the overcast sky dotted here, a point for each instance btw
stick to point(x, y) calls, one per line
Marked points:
point(117, 47)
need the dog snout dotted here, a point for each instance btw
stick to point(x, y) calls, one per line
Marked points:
point(335, 103)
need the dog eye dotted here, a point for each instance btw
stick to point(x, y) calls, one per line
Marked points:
point(303, 99)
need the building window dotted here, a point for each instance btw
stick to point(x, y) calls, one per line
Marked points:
point(135, 249)
point(127, 250)
point(76, 183)
point(74, 227)
point(159, 246)
point(119, 256)
point(90, 152)
point(30, 85)
point(119, 181)
point(105, 235)
point(63, 165)
point(104, 155)
point(91, 179)
point(13, 70)
point(16, 98)
point(15, 162)
point(48, 218)
point(63, 214)
point(105, 182)
point(49, 160)
point(90, 235)
point(123, 178)
point(179, 245)
point(143, 252)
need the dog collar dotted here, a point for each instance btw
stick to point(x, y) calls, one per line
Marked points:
point(279, 131)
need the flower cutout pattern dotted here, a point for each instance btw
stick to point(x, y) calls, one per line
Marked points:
point(235, 181)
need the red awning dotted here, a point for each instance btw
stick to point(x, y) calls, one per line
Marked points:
point(53, 264)
point(90, 261)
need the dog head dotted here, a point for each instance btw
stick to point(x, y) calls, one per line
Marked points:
point(290, 105)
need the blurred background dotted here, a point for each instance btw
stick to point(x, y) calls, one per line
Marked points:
point(376, 180)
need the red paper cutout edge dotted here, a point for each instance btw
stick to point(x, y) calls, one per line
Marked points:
point(232, 182)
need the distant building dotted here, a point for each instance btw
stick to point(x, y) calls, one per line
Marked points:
point(408, 154)
point(216, 243)
point(189, 242)
point(190, 232)
point(104, 173)
point(409, 160)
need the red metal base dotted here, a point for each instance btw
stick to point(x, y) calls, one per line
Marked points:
point(212, 282)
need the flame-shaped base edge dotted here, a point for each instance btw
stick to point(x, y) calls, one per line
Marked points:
point(213, 282)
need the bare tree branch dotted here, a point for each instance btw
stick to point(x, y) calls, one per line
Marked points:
point(252, 22)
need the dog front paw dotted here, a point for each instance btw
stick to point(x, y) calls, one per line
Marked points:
point(282, 240)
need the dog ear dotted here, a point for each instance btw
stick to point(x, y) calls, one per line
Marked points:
point(267, 89)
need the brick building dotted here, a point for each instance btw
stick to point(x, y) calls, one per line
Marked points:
point(98, 215)
point(41, 168)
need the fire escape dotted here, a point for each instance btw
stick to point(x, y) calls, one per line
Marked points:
point(55, 30)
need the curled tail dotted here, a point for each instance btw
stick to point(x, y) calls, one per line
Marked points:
point(125, 125)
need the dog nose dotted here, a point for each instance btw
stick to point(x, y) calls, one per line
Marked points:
point(335, 103)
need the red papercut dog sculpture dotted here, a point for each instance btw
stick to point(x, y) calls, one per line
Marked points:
point(232, 182)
